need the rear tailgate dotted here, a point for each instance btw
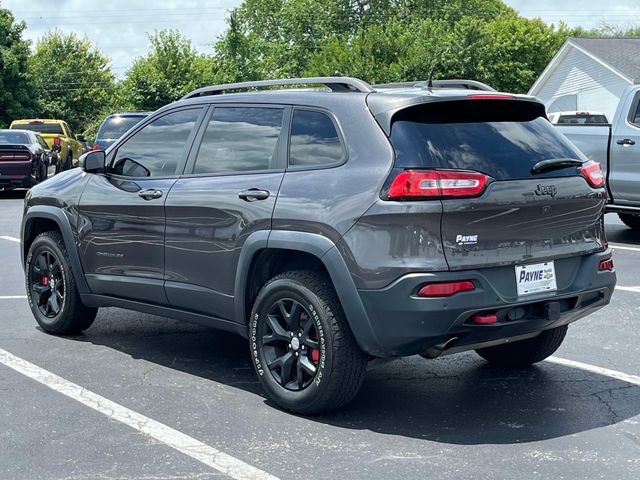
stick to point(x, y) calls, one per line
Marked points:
point(49, 131)
point(520, 217)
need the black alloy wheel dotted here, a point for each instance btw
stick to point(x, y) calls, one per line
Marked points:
point(290, 343)
point(47, 283)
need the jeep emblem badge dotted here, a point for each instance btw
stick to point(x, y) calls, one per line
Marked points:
point(549, 190)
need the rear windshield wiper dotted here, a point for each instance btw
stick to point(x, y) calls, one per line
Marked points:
point(555, 164)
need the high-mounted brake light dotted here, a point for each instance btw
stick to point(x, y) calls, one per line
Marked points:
point(488, 96)
point(437, 183)
point(445, 289)
point(593, 173)
point(36, 121)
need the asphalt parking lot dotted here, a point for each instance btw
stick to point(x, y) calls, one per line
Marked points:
point(145, 397)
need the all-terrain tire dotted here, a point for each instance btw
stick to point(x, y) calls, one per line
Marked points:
point(525, 352)
point(630, 220)
point(340, 363)
point(48, 267)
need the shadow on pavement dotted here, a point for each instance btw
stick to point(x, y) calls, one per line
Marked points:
point(456, 400)
point(12, 194)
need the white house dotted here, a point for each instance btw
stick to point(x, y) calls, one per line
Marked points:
point(589, 74)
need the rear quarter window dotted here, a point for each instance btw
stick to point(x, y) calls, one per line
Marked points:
point(501, 138)
point(314, 140)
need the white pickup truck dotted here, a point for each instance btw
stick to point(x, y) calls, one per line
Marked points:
point(617, 148)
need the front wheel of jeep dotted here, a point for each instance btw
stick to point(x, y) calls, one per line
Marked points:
point(302, 348)
point(51, 288)
point(525, 352)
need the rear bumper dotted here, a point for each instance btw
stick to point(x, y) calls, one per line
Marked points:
point(404, 324)
point(16, 175)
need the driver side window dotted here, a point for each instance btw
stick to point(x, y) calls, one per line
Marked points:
point(158, 148)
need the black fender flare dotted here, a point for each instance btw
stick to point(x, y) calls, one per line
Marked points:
point(58, 216)
point(325, 250)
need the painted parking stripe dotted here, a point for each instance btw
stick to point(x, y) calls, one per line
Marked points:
point(624, 377)
point(10, 239)
point(628, 289)
point(181, 442)
point(624, 247)
point(12, 297)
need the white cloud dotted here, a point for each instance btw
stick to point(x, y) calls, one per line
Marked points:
point(119, 28)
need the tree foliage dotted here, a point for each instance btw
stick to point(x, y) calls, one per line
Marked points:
point(73, 79)
point(171, 69)
point(384, 40)
point(16, 90)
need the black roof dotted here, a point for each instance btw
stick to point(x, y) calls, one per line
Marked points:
point(623, 54)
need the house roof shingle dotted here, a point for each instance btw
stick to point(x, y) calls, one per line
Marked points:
point(623, 54)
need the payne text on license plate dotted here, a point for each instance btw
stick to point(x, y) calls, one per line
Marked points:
point(536, 278)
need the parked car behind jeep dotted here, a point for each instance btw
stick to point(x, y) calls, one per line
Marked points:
point(25, 159)
point(614, 147)
point(58, 136)
point(116, 125)
point(330, 227)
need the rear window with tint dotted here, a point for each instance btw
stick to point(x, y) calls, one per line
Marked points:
point(501, 138)
point(15, 138)
point(50, 128)
point(114, 127)
point(582, 119)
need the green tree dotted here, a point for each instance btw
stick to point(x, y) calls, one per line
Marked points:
point(73, 79)
point(171, 69)
point(16, 89)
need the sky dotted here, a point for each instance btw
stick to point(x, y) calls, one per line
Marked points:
point(119, 27)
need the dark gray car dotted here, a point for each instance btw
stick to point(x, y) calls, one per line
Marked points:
point(331, 227)
point(116, 125)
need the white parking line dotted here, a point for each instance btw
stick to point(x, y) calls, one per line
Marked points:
point(11, 239)
point(625, 377)
point(624, 247)
point(181, 442)
point(628, 289)
point(12, 297)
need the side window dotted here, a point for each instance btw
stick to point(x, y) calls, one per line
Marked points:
point(314, 140)
point(635, 118)
point(239, 139)
point(68, 130)
point(158, 148)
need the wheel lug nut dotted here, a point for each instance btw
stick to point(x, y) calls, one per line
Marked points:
point(289, 345)
point(300, 334)
point(291, 334)
point(296, 354)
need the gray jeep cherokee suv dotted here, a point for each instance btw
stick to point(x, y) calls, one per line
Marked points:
point(331, 227)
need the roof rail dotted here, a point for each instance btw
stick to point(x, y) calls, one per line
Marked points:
point(336, 84)
point(454, 84)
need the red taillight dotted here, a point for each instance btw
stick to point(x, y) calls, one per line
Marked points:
point(593, 173)
point(445, 289)
point(56, 141)
point(484, 319)
point(606, 265)
point(437, 183)
point(489, 96)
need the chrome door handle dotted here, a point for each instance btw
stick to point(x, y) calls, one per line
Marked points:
point(150, 194)
point(253, 194)
point(626, 141)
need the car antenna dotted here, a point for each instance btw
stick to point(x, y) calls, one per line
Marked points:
point(430, 80)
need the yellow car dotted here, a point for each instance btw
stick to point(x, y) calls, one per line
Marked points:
point(58, 136)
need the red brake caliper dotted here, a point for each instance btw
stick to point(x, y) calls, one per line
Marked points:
point(315, 355)
point(44, 280)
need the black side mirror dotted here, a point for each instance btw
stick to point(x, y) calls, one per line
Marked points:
point(93, 162)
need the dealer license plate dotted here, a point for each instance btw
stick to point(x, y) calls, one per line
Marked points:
point(536, 278)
